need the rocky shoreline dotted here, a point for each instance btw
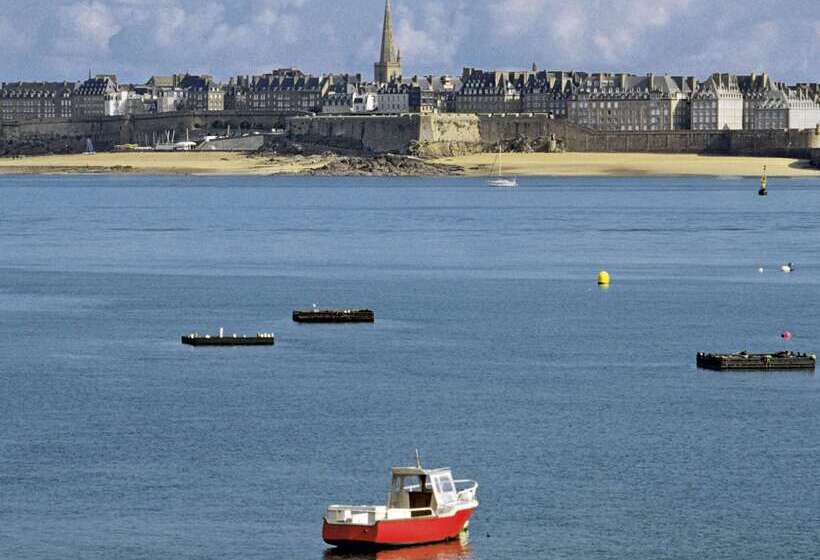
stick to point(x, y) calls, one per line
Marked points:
point(384, 166)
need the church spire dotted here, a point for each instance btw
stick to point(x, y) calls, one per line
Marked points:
point(388, 50)
point(389, 65)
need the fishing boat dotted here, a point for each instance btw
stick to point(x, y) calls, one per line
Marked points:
point(424, 506)
point(317, 315)
point(746, 361)
point(260, 339)
point(763, 182)
point(498, 179)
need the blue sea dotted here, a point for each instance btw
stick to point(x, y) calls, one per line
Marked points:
point(578, 410)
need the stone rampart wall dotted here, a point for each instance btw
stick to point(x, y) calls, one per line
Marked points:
point(436, 134)
point(374, 134)
point(142, 129)
point(59, 135)
point(772, 143)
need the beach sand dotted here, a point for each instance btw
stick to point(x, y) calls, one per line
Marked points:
point(163, 163)
point(631, 164)
point(210, 163)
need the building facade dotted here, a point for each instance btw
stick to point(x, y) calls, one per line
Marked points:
point(201, 94)
point(286, 91)
point(98, 97)
point(23, 101)
point(490, 91)
point(718, 104)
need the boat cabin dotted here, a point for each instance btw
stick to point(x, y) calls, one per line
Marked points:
point(423, 492)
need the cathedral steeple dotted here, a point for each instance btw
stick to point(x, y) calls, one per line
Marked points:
point(389, 64)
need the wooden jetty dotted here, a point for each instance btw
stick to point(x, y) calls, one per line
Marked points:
point(259, 339)
point(334, 316)
point(746, 361)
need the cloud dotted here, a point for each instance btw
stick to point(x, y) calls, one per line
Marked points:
point(430, 34)
point(86, 26)
point(584, 29)
point(13, 39)
point(512, 17)
point(569, 26)
point(61, 39)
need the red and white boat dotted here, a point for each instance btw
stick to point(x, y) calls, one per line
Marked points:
point(424, 506)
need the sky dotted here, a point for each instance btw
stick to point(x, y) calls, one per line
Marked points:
point(65, 39)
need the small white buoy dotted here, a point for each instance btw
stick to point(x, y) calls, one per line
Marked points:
point(760, 270)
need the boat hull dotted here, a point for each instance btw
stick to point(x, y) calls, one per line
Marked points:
point(502, 183)
point(783, 361)
point(396, 533)
point(228, 341)
point(335, 316)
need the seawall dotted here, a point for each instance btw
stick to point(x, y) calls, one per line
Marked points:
point(70, 135)
point(432, 135)
point(60, 135)
point(443, 134)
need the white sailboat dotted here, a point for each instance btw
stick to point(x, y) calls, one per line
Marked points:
point(498, 180)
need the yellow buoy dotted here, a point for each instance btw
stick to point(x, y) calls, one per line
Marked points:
point(603, 278)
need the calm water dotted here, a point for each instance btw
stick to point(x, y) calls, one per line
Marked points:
point(578, 410)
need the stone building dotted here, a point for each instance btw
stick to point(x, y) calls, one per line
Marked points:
point(629, 103)
point(168, 100)
point(490, 91)
point(23, 101)
point(286, 91)
point(670, 101)
point(549, 92)
point(769, 105)
point(139, 100)
point(393, 97)
point(347, 94)
point(433, 94)
point(202, 94)
point(718, 104)
point(758, 90)
point(99, 96)
point(388, 68)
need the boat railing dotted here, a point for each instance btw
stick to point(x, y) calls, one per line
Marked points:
point(466, 494)
point(372, 514)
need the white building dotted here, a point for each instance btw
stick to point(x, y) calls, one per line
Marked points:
point(169, 99)
point(804, 111)
point(718, 104)
point(393, 98)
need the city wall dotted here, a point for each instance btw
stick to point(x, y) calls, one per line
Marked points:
point(451, 134)
point(60, 135)
point(389, 133)
point(770, 143)
point(431, 135)
point(71, 135)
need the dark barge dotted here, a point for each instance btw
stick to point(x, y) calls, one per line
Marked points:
point(260, 339)
point(747, 361)
point(334, 316)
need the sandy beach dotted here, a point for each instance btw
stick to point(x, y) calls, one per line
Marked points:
point(631, 164)
point(163, 163)
point(534, 164)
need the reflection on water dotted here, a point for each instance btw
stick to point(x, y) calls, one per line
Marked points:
point(452, 550)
